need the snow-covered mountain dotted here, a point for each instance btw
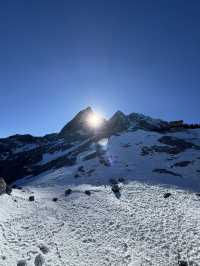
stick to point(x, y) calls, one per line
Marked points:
point(126, 194)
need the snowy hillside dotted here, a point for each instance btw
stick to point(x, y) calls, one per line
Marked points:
point(126, 197)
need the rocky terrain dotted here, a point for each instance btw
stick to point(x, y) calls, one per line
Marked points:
point(125, 194)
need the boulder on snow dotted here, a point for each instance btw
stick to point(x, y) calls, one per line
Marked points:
point(39, 260)
point(22, 263)
point(44, 248)
point(3, 186)
point(55, 199)
point(68, 192)
point(87, 192)
point(31, 198)
point(182, 263)
point(115, 188)
point(167, 195)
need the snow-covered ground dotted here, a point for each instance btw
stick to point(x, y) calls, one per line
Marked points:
point(139, 228)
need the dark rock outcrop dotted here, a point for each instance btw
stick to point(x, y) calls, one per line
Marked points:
point(164, 171)
point(3, 186)
point(39, 260)
point(31, 198)
point(22, 263)
point(167, 195)
point(68, 192)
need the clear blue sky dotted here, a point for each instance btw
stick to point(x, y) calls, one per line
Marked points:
point(57, 57)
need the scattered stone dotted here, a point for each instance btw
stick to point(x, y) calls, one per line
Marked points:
point(87, 192)
point(167, 195)
point(3, 257)
point(81, 169)
point(55, 199)
point(2, 185)
point(22, 263)
point(31, 198)
point(39, 260)
point(43, 248)
point(68, 192)
point(198, 194)
point(182, 263)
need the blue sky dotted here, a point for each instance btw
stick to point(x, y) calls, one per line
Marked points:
point(57, 57)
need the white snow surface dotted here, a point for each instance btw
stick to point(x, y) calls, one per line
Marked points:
point(139, 228)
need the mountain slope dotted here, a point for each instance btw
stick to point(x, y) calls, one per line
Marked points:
point(125, 196)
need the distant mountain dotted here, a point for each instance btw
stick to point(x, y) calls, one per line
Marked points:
point(26, 155)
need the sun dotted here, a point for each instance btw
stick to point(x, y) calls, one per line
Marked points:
point(94, 120)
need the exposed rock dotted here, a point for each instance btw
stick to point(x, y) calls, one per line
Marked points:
point(167, 195)
point(87, 192)
point(182, 164)
point(78, 126)
point(22, 263)
point(182, 263)
point(68, 192)
point(3, 186)
point(116, 190)
point(44, 248)
point(164, 171)
point(179, 145)
point(39, 260)
point(55, 199)
point(31, 198)
point(118, 122)
point(8, 190)
point(104, 162)
point(147, 123)
point(173, 146)
point(81, 169)
point(90, 156)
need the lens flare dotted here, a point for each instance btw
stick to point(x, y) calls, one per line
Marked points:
point(94, 120)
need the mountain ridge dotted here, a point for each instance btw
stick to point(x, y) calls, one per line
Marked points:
point(23, 155)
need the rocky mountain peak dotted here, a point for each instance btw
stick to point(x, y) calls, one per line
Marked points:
point(118, 122)
point(78, 123)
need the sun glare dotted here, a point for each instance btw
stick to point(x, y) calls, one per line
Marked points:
point(94, 120)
